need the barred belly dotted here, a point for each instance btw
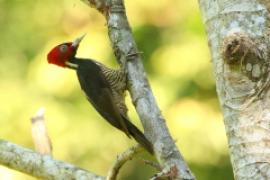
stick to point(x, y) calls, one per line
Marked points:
point(117, 81)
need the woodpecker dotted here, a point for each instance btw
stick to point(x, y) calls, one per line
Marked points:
point(104, 88)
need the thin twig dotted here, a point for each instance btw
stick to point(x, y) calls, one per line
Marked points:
point(122, 159)
point(152, 164)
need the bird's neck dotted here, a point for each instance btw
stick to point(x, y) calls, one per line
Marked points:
point(73, 63)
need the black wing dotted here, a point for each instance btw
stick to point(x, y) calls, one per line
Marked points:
point(99, 94)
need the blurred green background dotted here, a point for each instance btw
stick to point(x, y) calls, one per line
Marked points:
point(177, 61)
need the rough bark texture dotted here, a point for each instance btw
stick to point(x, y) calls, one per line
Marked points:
point(41, 166)
point(153, 122)
point(238, 34)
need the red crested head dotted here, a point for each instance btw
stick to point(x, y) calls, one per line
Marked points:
point(60, 54)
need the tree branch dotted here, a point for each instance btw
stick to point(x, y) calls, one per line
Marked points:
point(41, 166)
point(122, 159)
point(125, 49)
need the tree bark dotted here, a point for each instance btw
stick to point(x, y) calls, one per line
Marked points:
point(238, 35)
point(41, 166)
point(127, 53)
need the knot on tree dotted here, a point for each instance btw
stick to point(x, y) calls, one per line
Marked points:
point(106, 6)
point(102, 6)
point(245, 55)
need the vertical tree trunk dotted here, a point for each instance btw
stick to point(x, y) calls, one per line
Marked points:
point(238, 34)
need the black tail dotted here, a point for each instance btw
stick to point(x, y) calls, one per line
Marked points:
point(139, 137)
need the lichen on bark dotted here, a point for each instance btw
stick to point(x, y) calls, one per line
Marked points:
point(41, 166)
point(238, 34)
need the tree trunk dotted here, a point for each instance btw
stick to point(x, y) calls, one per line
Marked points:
point(238, 34)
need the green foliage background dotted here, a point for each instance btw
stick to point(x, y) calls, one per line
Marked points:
point(177, 61)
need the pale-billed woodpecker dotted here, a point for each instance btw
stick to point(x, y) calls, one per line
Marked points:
point(103, 87)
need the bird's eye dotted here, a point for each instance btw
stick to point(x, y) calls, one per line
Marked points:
point(63, 48)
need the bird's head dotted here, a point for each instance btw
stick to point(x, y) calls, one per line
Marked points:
point(61, 53)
